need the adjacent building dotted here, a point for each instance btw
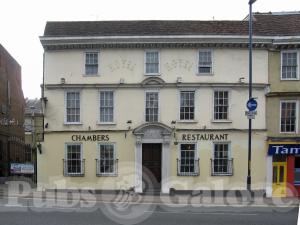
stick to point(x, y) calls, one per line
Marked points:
point(283, 98)
point(11, 113)
point(154, 105)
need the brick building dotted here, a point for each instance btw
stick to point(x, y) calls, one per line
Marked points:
point(11, 112)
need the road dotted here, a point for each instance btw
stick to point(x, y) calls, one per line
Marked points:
point(62, 212)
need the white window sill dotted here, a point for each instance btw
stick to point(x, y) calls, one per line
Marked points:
point(221, 121)
point(106, 123)
point(289, 79)
point(204, 74)
point(152, 74)
point(187, 121)
point(66, 123)
point(294, 132)
point(91, 75)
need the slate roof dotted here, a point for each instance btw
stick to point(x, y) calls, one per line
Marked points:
point(264, 24)
point(33, 105)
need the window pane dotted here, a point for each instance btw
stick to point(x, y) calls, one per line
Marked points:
point(187, 101)
point(289, 65)
point(221, 158)
point(288, 117)
point(221, 105)
point(152, 62)
point(73, 160)
point(151, 107)
point(73, 107)
point(205, 62)
point(106, 159)
point(187, 158)
point(106, 106)
point(91, 63)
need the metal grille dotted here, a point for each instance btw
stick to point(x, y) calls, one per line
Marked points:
point(106, 163)
point(187, 105)
point(152, 62)
point(221, 163)
point(91, 63)
point(73, 107)
point(205, 62)
point(73, 164)
point(151, 106)
point(106, 106)
point(188, 165)
point(288, 117)
point(221, 105)
point(289, 65)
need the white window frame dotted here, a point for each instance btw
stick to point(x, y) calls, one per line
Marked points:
point(281, 64)
point(196, 157)
point(66, 173)
point(114, 173)
point(198, 60)
point(213, 104)
point(65, 108)
point(145, 104)
point(98, 68)
point(145, 61)
point(114, 107)
point(297, 116)
point(179, 99)
point(229, 156)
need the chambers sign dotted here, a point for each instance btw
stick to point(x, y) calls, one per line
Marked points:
point(95, 137)
point(284, 149)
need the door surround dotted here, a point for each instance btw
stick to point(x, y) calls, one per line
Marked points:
point(153, 133)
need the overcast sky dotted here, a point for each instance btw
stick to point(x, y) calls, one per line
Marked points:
point(23, 21)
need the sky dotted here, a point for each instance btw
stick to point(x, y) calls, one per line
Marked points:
point(23, 21)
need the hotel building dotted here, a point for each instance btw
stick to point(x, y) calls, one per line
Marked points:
point(153, 105)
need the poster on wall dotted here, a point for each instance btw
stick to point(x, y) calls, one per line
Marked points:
point(21, 168)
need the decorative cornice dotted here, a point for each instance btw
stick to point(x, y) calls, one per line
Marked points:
point(169, 85)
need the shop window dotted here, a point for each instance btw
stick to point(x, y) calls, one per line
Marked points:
point(297, 170)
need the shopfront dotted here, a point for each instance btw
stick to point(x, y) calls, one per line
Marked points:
point(285, 168)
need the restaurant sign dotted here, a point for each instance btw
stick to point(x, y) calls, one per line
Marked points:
point(284, 149)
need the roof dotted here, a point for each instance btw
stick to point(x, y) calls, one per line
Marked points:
point(264, 24)
point(33, 106)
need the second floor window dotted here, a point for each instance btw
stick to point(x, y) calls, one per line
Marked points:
point(152, 62)
point(187, 105)
point(151, 107)
point(289, 65)
point(91, 63)
point(72, 107)
point(288, 117)
point(106, 106)
point(205, 62)
point(220, 105)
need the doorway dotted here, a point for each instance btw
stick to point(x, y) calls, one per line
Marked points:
point(279, 179)
point(151, 161)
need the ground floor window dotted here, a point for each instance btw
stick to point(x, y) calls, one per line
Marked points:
point(221, 164)
point(297, 170)
point(106, 162)
point(188, 163)
point(73, 162)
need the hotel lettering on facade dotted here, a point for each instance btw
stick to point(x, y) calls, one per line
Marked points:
point(152, 105)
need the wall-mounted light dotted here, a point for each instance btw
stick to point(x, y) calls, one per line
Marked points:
point(129, 122)
point(242, 80)
point(46, 125)
point(62, 80)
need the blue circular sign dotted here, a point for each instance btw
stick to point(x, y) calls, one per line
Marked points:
point(251, 104)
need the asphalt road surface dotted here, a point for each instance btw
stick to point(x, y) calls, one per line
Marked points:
point(38, 212)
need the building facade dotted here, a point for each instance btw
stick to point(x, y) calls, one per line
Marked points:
point(11, 113)
point(283, 98)
point(152, 105)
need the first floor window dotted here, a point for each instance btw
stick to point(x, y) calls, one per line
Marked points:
point(151, 107)
point(220, 105)
point(152, 62)
point(91, 63)
point(187, 105)
point(205, 62)
point(288, 116)
point(188, 164)
point(106, 106)
point(73, 160)
point(289, 65)
point(72, 107)
point(106, 164)
point(221, 163)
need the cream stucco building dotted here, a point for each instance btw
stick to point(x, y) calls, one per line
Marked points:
point(152, 105)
